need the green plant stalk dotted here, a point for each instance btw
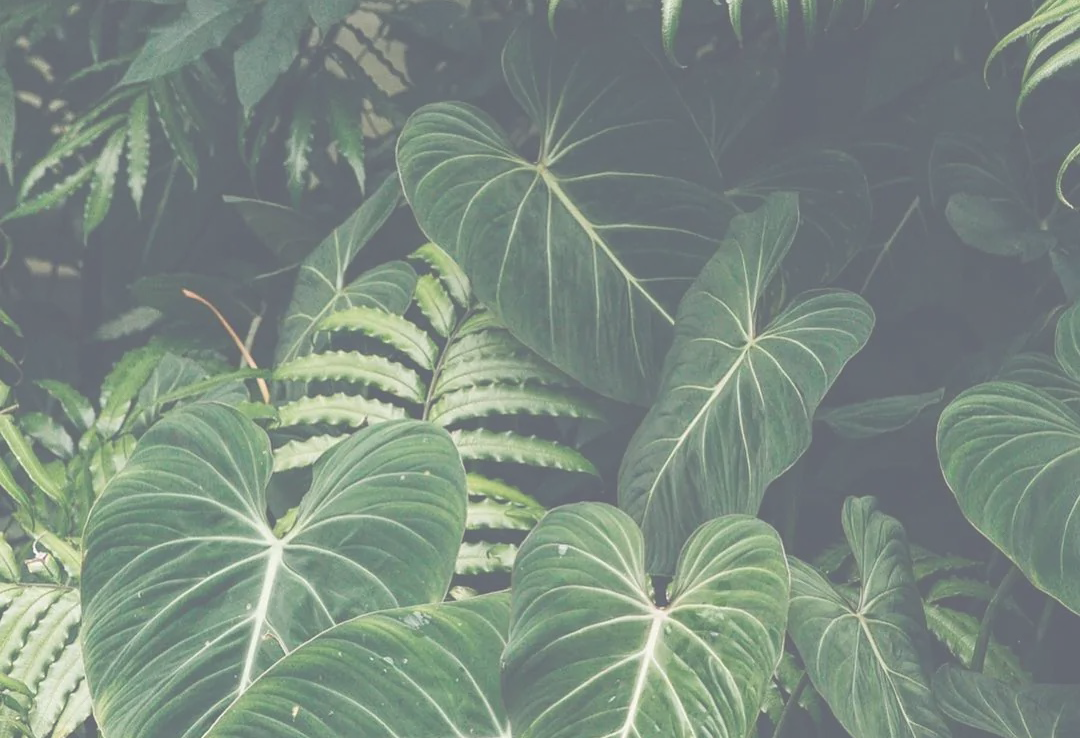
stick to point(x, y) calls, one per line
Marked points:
point(986, 627)
point(791, 704)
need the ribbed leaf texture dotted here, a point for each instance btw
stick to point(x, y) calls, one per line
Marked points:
point(39, 647)
point(450, 361)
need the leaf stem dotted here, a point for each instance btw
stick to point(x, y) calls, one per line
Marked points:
point(986, 627)
point(789, 706)
point(889, 243)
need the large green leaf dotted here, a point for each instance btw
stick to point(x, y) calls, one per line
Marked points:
point(272, 50)
point(737, 400)
point(583, 252)
point(1010, 711)
point(1011, 455)
point(591, 656)
point(320, 284)
point(867, 658)
point(189, 596)
point(430, 671)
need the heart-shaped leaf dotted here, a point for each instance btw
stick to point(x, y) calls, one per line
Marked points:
point(430, 671)
point(1011, 455)
point(189, 596)
point(591, 656)
point(1010, 711)
point(868, 658)
point(737, 401)
point(585, 251)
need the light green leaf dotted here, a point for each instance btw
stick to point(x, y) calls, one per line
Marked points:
point(509, 399)
point(101, 186)
point(320, 284)
point(28, 460)
point(326, 13)
point(582, 253)
point(204, 25)
point(1067, 342)
point(875, 417)
point(122, 384)
point(298, 143)
point(353, 366)
point(49, 433)
point(52, 198)
point(354, 411)
point(346, 125)
point(438, 665)
point(481, 445)
point(590, 655)
point(138, 147)
point(266, 55)
point(7, 122)
point(1009, 454)
point(737, 399)
point(391, 329)
point(76, 407)
point(173, 127)
point(1033, 711)
point(179, 544)
point(1043, 373)
point(868, 657)
point(959, 631)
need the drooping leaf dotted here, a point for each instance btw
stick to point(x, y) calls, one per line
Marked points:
point(298, 143)
point(138, 147)
point(122, 384)
point(346, 126)
point(1008, 453)
point(320, 284)
point(429, 671)
point(868, 657)
point(204, 25)
point(583, 253)
point(101, 186)
point(286, 232)
point(1006, 710)
point(874, 417)
point(77, 408)
point(737, 399)
point(179, 545)
point(264, 57)
point(7, 122)
point(168, 115)
point(590, 655)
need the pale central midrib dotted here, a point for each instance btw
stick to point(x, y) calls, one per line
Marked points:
point(553, 184)
point(258, 618)
point(646, 660)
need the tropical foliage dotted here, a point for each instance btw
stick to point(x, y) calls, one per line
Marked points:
point(539, 370)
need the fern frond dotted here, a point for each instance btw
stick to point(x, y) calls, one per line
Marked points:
point(435, 303)
point(305, 452)
point(39, 647)
point(487, 514)
point(511, 447)
point(448, 271)
point(958, 631)
point(481, 320)
point(337, 409)
point(513, 399)
point(485, 558)
point(357, 368)
point(481, 486)
point(392, 330)
point(496, 370)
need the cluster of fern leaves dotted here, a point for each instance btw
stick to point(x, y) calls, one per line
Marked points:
point(449, 361)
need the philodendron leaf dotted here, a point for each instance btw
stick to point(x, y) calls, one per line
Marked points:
point(737, 400)
point(320, 284)
point(188, 595)
point(583, 252)
point(867, 657)
point(591, 656)
point(430, 671)
point(1010, 711)
point(1067, 342)
point(880, 415)
point(1009, 454)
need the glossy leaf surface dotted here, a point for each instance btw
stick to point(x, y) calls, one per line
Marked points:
point(1032, 711)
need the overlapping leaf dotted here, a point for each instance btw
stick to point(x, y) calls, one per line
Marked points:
point(584, 252)
point(591, 656)
point(867, 658)
point(1009, 453)
point(189, 596)
point(737, 400)
point(1033, 711)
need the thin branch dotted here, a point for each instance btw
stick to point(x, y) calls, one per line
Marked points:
point(912, 208)
point(236, 339)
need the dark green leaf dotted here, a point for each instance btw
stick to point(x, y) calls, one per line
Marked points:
point(188, 596)
point(1035, 711)
point(7, 122)
point(583, 253)
point(138, 147)
point(326, 13)
point(101, 186)
point(263, 58)
point(874, 417)
point(868, 657)
point(738, 398)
